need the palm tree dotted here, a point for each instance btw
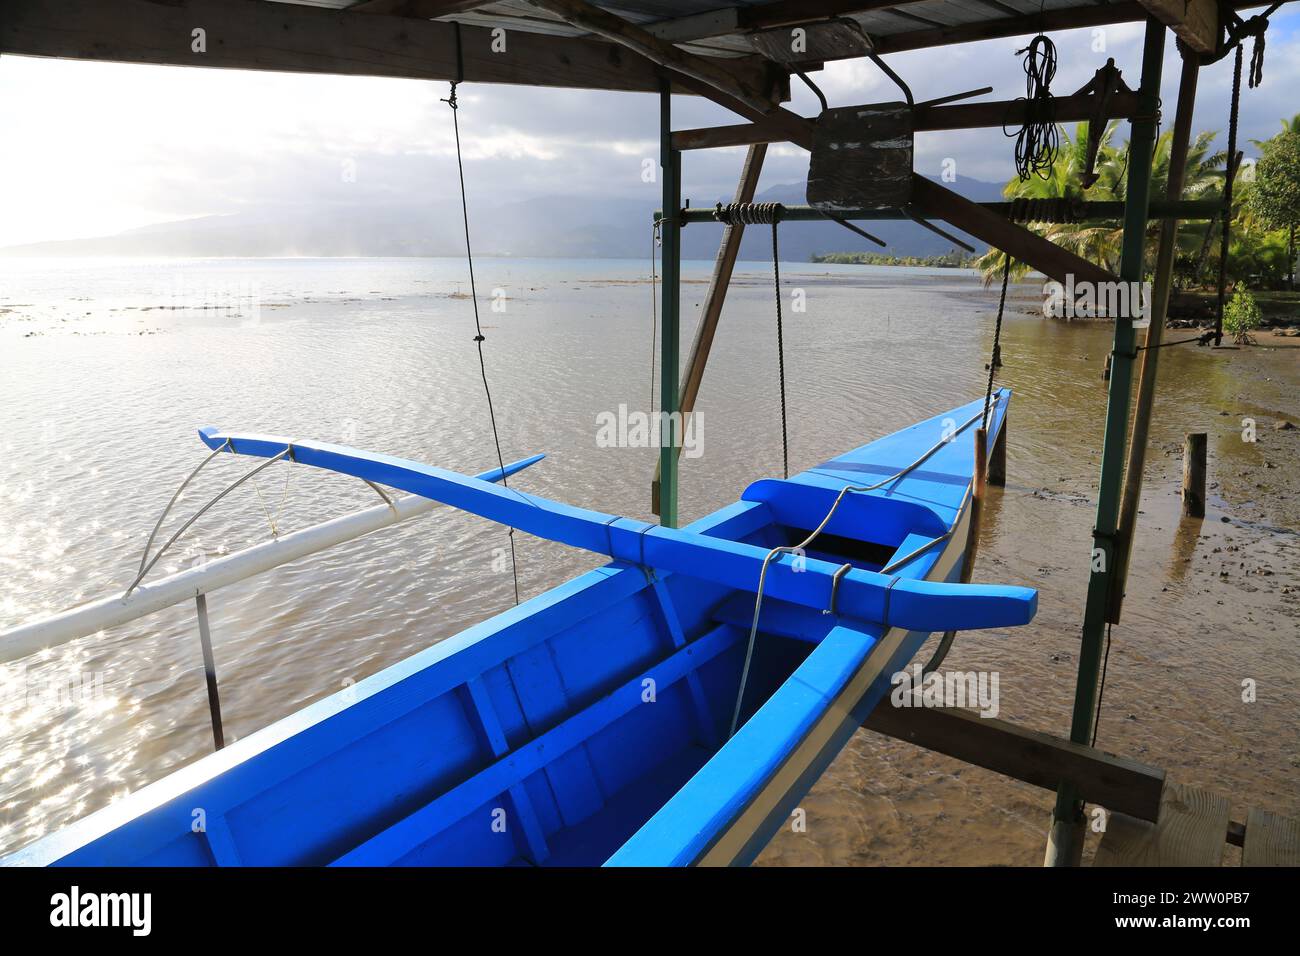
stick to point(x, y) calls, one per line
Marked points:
point(1096, 241)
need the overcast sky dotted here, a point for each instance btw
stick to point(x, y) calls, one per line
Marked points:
point(95, 148)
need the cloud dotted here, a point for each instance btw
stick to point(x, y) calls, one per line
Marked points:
point(94, 148)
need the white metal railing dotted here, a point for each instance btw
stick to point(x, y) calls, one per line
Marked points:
point(196, 583)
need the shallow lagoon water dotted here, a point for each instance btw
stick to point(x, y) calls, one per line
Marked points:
point(108, 367)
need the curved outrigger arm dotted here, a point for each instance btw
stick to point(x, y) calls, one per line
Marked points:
point(286, 451)
point(867, 595)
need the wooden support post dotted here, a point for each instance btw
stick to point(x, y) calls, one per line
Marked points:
point(1194, 445)
point(670, 161)
point(998, 460)
point(723, 267)
point(1159, 306)
point(1065, 842)
point(978, 483)
point(210, 671)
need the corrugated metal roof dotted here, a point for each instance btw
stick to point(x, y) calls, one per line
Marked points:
point(903, 17)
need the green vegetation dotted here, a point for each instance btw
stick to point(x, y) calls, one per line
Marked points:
point(1241, 316)
point(1274, 199)
point(1265, 214)
point(949, 260)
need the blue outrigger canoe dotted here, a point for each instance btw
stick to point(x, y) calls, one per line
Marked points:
point(592, 724)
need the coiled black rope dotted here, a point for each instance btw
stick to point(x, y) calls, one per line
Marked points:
point(747, 213)
point(1039, 139)
point(1046, 209)
point(473, 297)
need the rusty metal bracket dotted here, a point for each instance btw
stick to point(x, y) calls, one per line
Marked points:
point(1105, 83)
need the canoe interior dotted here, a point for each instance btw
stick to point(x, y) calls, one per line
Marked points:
point(552, 733)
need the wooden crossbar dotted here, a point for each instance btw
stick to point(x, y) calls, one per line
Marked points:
point(1117, 783)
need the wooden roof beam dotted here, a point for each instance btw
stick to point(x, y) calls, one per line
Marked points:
point(937, 202)
point(419, 9)
point(1195, 22)
point(1128, 11)
point(729, 21)
point(717, 75)
point(1074, 108)
point(292, 38)
point(1191, 24)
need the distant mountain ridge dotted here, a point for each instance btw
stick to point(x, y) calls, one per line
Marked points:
point(544, 227)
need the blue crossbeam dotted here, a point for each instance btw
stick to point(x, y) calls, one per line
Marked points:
point(891, 600)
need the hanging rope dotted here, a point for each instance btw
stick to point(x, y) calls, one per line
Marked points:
point(479, 338)
point(1039, 139)
point(780, 351)
point(995, 360)
point(1229, 175)
point(1236, 31)
point(1256, 74)
point(812, 536)
point(1101, 689)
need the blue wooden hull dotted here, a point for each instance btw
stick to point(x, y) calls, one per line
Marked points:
point(587, 725)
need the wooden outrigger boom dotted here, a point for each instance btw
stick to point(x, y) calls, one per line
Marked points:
point(809, 582)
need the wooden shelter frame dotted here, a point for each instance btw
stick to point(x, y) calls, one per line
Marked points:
point(424, 39)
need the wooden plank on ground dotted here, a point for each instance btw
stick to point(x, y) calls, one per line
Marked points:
point(1191, 831)
point(1271, 840)
point(1117, 783)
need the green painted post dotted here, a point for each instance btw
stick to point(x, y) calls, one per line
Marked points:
point(670, 167)
point(1066, 841)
